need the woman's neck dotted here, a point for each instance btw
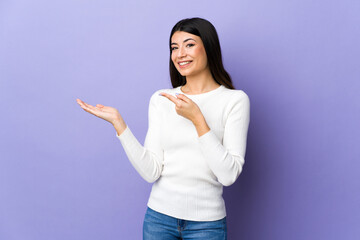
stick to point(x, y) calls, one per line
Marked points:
point(200, 83)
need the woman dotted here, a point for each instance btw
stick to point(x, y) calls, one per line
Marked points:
point(196, 140)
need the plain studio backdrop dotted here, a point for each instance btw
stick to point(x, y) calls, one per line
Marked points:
point(65, 175)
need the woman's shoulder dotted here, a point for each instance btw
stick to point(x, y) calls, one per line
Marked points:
point(236, 94)
point(237, 101)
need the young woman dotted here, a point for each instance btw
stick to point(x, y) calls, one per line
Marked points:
point(196, 140)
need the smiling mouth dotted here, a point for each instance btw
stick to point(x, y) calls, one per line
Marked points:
point(185, 64)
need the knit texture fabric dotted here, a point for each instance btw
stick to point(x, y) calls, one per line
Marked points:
point(188, 172)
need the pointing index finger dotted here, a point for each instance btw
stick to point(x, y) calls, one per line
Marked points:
point(170, 97)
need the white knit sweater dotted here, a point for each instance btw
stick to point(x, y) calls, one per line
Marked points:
point(189, 171)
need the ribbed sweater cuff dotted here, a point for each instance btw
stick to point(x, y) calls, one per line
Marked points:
point(125, 134)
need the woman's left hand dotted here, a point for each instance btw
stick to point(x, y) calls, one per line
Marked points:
point(185, 107)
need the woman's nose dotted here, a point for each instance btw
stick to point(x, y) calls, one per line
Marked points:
point(181, 52)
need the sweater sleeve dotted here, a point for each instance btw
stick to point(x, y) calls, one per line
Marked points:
point(147, 159)
point(226, 160)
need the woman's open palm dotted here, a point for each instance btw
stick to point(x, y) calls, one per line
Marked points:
point(107, 113)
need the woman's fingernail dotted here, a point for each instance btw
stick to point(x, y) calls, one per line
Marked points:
point(160, 94)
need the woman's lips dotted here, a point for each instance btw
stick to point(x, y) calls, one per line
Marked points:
point(186, 65)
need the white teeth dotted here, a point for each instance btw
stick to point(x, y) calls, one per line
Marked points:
point(183, 63)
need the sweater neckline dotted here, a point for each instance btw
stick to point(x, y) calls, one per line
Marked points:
point(201, 94)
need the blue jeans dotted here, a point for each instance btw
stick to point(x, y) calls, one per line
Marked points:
point(158, 226)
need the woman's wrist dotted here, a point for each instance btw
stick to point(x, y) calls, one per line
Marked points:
point(119, 126)
point(201, 125)
point(198, 119)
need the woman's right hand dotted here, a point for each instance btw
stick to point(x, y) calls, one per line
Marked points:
point(107, 113)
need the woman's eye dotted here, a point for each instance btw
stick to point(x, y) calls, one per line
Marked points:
point(190, 45)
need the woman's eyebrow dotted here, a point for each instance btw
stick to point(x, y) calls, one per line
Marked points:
point(184, 41)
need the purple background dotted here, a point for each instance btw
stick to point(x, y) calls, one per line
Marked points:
point(64, 174)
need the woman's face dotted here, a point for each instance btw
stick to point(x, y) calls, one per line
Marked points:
point(187, 47)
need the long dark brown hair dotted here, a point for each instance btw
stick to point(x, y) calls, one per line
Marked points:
point(207, 32)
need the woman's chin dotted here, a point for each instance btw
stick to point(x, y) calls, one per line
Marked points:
point(184, 73)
